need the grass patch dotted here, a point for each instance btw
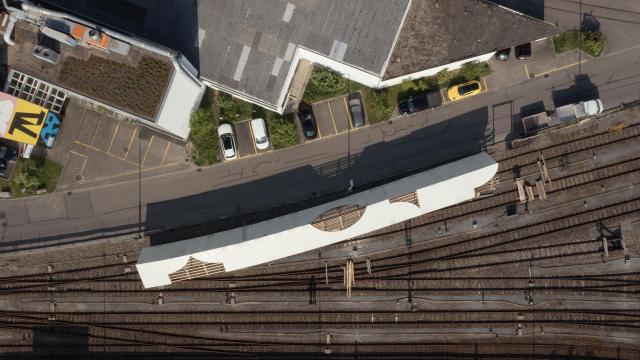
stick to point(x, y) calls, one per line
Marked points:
point(204, 146)
point(233, 109)
point(591, 42)
point(283, 131)
point(33, 174)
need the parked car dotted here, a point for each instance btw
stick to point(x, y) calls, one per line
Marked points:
point(464, 90)
point(308, 122)
point(419, 102)
point(259, 129)
point(523, 51)
point(8, 153)
point(3, 165)
point(227, 141)
point(356, 110)
point(503, 55)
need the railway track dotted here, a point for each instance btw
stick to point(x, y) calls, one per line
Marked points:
point(234, 313)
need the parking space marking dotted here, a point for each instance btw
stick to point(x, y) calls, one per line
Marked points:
point(350, 120)
point(96, 132)
point(104, 152)
point(114, 136)
point(485, 85)
point(136, 171)
point(166, 150)
point(317, 128)
point(444, 98)
point(147, 151)
point(559, 68)
point(335, 128)
point(126, 154)
point(253, 142)
point(526, 71)
point(84, 162)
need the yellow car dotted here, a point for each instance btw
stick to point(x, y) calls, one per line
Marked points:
point(464, 90)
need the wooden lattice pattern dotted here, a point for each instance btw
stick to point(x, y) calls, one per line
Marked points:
point(195, 268)
point(338, 218)
point(411, 198)
point(488, 187)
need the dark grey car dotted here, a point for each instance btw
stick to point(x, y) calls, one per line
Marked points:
point(357, 111)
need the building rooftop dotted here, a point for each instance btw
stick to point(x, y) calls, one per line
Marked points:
point(351, 216)
point(248, 45)
point(135, 82)
point(439, 32)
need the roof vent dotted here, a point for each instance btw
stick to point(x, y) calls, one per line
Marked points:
point(95, 35)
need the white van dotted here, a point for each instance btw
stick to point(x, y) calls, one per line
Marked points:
point(259, 129)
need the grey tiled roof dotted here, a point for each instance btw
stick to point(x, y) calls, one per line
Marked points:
point(439, 32)
point(358, 32)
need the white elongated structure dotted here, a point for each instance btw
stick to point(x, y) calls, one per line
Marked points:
point(354, 215)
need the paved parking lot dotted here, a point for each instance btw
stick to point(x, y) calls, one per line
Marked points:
point(245, 139)
point(543, 61)
point(333, 116)
point(95, 147)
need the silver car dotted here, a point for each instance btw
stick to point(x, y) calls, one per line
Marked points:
point(259, 130)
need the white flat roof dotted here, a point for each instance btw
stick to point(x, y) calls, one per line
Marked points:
point(181, 99)
point(292, 234)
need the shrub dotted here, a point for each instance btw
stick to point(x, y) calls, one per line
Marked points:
point(324, 84)
point(34, 174)
point(380, 105)
point(444, 77)
point(232, 109)
point(205, 148)
point(282, 130)
point(473, 70)
point(591, 42)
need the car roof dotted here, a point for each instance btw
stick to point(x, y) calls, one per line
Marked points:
point(259, 127)
point(225, 129)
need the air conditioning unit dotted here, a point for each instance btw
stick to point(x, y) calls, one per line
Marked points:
point(46, 54)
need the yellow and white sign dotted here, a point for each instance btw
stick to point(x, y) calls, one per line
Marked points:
point(20, 120)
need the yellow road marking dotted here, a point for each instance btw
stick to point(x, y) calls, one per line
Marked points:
point(104, 152)
point(138, 171)
point(166, 150)
point(96, 132)
point(113, 137)
point(84, 162)
point(485, 85)
point(147, 151)
point(560, 68)
point(335, 128)
point(253, 139)
point(126, 154)
point(82, 121)
point(348, 113)
point(526, 71)
point(317, 128)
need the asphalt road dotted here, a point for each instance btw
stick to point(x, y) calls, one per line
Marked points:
point(310, 171)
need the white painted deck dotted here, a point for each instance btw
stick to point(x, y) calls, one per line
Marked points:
point(292, 234)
